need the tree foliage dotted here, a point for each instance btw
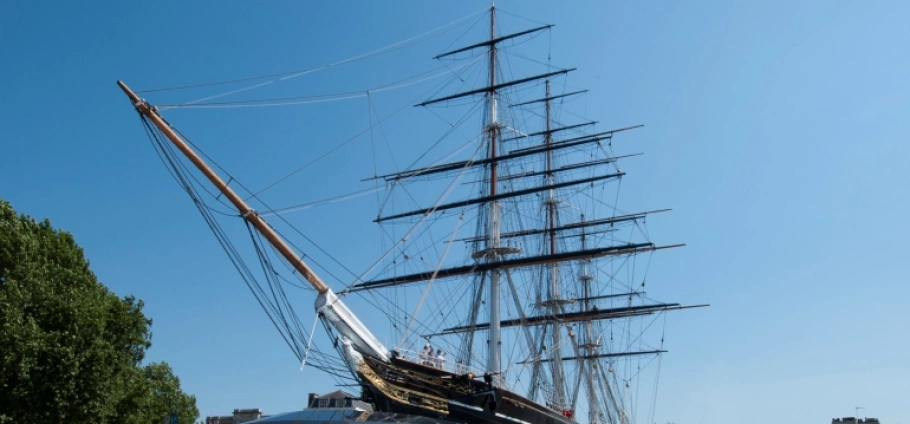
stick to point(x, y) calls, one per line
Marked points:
point(70, 349)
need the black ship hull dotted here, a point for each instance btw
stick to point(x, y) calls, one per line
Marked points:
point(407, 387)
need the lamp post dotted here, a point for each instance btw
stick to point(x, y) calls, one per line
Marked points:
point(856, 409)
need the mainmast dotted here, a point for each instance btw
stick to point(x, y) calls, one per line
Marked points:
point(495, 342)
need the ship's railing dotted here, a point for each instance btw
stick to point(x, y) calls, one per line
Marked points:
point(448, 365)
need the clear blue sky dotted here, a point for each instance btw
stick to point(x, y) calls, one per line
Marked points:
point(776, 130)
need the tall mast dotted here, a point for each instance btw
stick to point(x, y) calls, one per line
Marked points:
point(556, 365)
point(495, 343)
point(548, 140)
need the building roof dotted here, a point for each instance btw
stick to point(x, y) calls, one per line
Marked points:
point(337, 394)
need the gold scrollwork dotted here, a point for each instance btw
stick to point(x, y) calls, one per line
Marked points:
point(402, 394)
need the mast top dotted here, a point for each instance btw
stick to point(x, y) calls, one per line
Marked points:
point(133, 97)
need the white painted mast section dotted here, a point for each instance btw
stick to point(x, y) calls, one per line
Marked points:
point(495, 342)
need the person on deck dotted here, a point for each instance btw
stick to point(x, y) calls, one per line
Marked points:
point(424, 354)
point(431, 358)
point(440, 359)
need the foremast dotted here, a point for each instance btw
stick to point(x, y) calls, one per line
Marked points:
point(328, 305)
point(494, 252)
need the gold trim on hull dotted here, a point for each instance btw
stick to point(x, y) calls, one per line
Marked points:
point(401, 394)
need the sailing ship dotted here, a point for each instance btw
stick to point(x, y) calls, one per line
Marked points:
point(538, 313)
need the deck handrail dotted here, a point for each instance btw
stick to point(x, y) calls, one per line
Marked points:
point(454, 367)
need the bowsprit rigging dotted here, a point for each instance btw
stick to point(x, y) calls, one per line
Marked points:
point(271, 295)
point(539, 316)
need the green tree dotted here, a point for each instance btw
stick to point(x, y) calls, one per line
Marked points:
point(70, 349)
point(166, 396)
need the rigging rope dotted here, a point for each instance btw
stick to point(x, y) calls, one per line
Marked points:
point(178, 170)
point(269, 208)
point(309, 342)
point(319, 98)
point(445, 253)
point(339, 146)
point(438, 202)
point(293, 74)
point(660, 358)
